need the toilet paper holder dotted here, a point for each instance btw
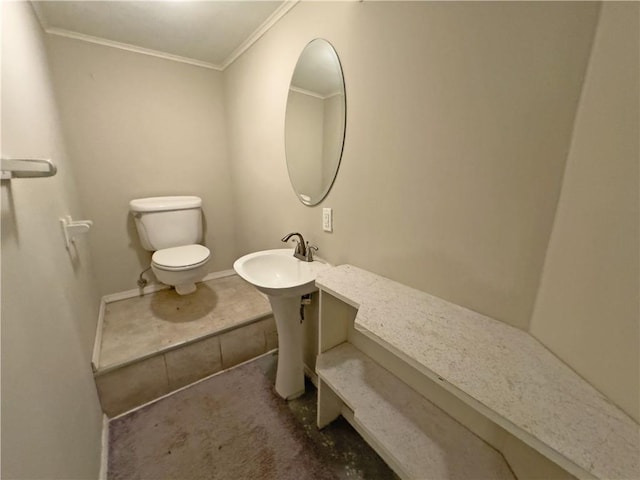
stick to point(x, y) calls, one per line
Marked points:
point(72, 228)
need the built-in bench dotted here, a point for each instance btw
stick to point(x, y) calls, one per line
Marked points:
point(382, 348)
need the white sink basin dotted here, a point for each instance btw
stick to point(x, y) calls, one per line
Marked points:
point(279, 273)
point(284, 279)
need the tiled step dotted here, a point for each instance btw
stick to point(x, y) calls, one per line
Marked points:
point(158, 343)
point(137, 327)
point(415, 437)
point(137, 383)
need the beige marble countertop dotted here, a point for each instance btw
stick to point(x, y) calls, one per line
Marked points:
point(501, 371)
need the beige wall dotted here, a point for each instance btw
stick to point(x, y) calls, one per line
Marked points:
point(51, 418)
point(304, 126)
point(141, 126)
point(587, 307)
point(459, 118)
point(332, 133)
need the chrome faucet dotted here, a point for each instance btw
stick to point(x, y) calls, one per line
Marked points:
point(303, 250)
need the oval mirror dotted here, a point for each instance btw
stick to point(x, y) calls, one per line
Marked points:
point(315, 122)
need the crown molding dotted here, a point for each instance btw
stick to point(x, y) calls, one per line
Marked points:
point(130, 48)
point(308, 93)
point(314, 94)
point(280, 12)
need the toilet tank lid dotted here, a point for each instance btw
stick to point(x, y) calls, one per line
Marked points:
point(159, 204)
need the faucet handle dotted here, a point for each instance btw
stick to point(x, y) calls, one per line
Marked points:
point(310, 249)
point(301, 251)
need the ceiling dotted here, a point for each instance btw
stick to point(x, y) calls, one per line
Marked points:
point(207, 33)
point(318, 71)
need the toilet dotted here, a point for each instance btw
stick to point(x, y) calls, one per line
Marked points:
point(171, 227)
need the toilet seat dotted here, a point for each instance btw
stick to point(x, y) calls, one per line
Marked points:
point(185, 257)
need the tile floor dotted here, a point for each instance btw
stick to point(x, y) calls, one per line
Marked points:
point(157, 343)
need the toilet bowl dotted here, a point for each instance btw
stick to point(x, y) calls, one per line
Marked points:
point(171, 227)
point(181, 266)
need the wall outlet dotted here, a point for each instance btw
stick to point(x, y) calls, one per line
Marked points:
point(327, 219)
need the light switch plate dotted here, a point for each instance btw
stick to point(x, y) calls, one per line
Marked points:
point(327, 219)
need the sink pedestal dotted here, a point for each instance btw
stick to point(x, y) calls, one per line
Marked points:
point(284, 279)
point(290, 374)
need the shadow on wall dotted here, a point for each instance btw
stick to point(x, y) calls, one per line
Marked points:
point(9, 222)
point(11, 230)
point(144, 257)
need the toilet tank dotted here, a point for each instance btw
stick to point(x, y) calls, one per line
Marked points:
point(165, 222)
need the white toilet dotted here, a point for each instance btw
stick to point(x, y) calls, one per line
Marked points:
point(171, 227)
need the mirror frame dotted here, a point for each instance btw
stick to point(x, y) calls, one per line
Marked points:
point(311, 201)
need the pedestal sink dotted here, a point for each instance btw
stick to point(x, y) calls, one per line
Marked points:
point(284, 279)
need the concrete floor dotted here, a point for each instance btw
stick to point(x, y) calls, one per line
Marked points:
point(338, 443)
point(233, 426)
